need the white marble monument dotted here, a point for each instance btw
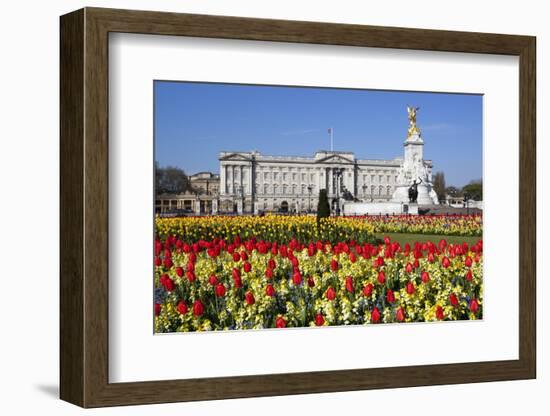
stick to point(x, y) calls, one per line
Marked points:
point(414, 169)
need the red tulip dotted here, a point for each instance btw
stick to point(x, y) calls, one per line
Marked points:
point(439, 313)
point(453, 299)
point(158, 261)
point(431, 258)
point(468, 261)
point(410, 288)
point(269, 290)
point(390, 297)
point(349, 284)
point(181, 307)
point(446, 262)
point(269, 273)
point(247, 267)
point(168, 262)
point(409, 268)
point(220, 290)
point(271, 264)
point(238, 282)
point(367, 290)
point(375, 315)
point(331, 293)
point(249, 297)
point(310, 281)
point(469, 276)
point(236, 256)
point(168, 284)
point(191, 276)
point(425, 276)
point(297, 278)
point(474, 306)
point(179, 271)
point(319, 319)
point(236, 273)
point(158, 308)
point(333, 265)
point(381, 277)
point(400, 315)
point(198, 308)
point(244, 256)
point(280, 322)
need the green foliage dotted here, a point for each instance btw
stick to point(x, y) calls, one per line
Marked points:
point(323, 207)
point(474, 190)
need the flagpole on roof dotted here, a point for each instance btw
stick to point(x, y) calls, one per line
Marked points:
point(330, 130)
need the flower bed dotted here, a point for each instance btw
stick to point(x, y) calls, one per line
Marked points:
point(221, 273)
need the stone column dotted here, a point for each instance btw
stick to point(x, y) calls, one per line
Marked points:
point(223, 189)
point(197, 206)
point(232, 179)
point(214, 206)
point(249, 176)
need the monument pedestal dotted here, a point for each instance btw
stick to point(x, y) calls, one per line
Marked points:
point(410, 209)
point(425, 197)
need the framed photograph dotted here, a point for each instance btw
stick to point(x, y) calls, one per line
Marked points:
point(254, 207)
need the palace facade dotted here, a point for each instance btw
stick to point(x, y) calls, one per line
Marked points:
point(251, 182)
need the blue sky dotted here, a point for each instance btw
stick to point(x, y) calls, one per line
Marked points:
point(195, 121)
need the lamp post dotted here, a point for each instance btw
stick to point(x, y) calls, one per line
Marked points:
point(338, 172)
point(466, 201)
point(309, 189)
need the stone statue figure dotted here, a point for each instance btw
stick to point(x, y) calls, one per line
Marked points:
point(413, 129)
point(413, 191)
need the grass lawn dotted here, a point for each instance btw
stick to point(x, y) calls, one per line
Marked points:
point(403, 238)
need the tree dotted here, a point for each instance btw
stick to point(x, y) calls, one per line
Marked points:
point(474, 190)
point(171, 180)
point(453, 191)
point(323, 207)
point(439, 185)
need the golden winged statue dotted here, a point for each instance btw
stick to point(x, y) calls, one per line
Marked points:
point(413, 128)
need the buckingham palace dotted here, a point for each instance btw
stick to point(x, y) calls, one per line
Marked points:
point(251, 182)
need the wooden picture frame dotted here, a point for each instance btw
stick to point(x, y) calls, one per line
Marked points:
point(84, 207)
